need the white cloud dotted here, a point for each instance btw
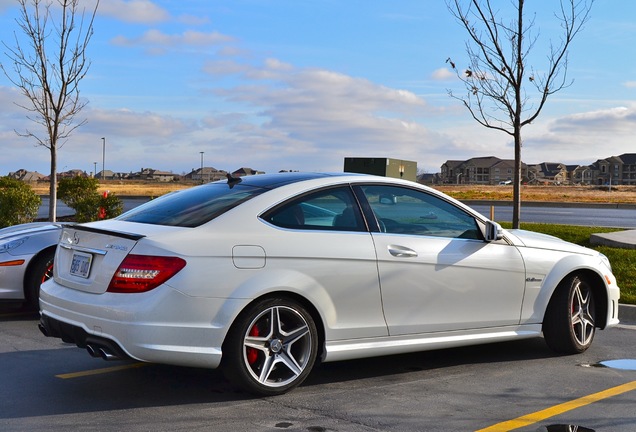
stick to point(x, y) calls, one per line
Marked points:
point(134, 11)
point(224, 67)
point(317, 117)
point(159, 39)
point(443, 74)
point(581, 138)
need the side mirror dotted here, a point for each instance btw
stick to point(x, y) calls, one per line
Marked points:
point(493, 231)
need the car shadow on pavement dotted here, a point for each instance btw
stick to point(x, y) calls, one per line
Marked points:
point(66, 380)
point(395, 365)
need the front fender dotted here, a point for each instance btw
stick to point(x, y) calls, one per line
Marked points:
point(550, 268)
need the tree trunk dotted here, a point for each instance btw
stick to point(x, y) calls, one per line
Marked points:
point(516, 193)
point(53, 186)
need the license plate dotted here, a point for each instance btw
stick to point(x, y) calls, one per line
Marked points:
point(81, 264)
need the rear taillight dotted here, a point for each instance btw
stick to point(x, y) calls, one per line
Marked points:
point(141, 273)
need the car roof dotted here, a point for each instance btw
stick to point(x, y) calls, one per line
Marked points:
point(272, 181)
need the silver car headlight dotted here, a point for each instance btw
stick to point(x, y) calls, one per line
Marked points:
point(12, 244)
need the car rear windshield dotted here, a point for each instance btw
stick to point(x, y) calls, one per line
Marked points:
point(192, 207)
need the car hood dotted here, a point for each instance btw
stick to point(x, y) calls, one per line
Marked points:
point(28, 229)
point(543, 241)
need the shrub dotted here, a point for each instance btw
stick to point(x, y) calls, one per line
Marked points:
point(80, 194)
point(18, 203)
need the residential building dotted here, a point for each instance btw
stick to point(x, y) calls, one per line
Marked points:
point(614, 170)
point(206, 175)
point(480, 170)
point(27, 176)
point(246, 172)
point(549, 173)
point(150, 174)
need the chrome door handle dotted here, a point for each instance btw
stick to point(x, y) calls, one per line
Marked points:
point(401, 251)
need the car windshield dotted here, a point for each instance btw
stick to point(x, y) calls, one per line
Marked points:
point(192, 207)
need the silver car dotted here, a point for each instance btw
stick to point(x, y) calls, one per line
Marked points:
point(26, 260)
point(264, 276)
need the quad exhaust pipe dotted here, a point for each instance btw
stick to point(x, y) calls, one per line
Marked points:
point(104, 353)
point(95, 346)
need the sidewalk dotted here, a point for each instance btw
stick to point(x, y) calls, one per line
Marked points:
point(625, 240)
point(618, 239)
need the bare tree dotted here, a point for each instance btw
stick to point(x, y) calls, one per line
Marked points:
point(503, 91)
point(48, 67)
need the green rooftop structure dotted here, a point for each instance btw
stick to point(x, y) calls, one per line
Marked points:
point(386, 167)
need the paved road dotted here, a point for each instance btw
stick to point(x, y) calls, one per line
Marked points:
point(605, 216)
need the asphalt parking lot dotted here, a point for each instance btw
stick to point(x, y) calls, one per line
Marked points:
point(49, 385)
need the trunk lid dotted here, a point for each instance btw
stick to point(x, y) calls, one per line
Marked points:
point(87, 257)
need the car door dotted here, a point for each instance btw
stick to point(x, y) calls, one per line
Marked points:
point(324, 244)
point(437, 273)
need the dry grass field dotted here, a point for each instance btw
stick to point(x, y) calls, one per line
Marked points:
point(597, 194)
point(127, 188)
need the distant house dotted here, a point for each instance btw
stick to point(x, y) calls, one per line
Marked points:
point(105, 175)
point(150, 174)
point(27, 176)
point(550, 173)
point(72, 174)
point(206, 175)
point(429, 179)
point(241, 172)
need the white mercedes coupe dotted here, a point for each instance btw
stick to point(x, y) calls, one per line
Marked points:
point(265, 275)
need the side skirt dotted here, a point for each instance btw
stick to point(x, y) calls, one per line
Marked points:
point(373, 347)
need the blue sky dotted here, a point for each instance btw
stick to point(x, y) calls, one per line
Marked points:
point(300, 85)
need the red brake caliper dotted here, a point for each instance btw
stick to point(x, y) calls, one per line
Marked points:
point(252, 354)
point(47, 273)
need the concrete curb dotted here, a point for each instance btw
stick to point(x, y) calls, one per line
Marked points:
point(627, 313)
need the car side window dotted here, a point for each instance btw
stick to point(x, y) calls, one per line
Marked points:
point(401, 210)
point(333, 209)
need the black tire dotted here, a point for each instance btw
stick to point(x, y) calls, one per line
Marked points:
point(570, 320)
point(271, 347)
point(39, 271)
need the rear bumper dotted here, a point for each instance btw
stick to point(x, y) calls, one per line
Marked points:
point(96, 346)
point(159, 326)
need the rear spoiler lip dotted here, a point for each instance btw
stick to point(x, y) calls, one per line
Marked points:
point(126, 235)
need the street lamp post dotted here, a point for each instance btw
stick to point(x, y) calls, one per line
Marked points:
point(103, 157)
point(201, 166)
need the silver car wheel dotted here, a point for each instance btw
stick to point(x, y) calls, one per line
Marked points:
point(277, 346)
point(271, 347)
point(569, 324)
point(582, 314)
